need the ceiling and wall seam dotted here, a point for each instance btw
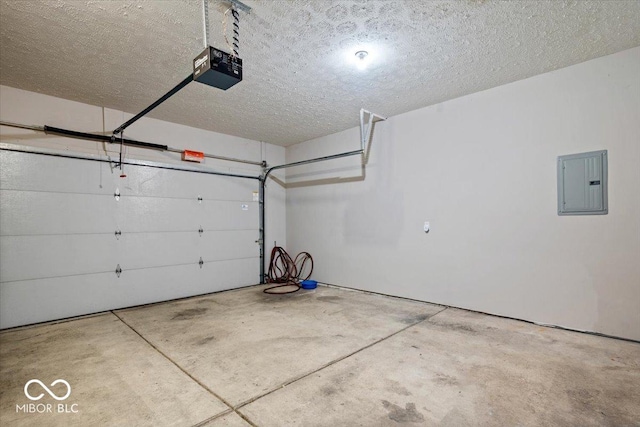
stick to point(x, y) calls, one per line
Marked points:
point(298, 84)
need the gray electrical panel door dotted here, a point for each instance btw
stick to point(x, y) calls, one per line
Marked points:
point(582, 184)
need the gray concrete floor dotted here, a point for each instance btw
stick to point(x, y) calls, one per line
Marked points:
point(328, 357)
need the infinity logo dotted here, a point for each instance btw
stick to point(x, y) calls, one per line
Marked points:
point(52, 394)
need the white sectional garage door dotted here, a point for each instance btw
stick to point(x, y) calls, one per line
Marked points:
point(59, 246)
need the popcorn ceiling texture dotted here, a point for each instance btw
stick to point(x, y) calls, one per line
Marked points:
point(298, 84)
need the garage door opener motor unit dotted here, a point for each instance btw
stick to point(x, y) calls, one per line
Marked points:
point(213, 66)
point(216, 68)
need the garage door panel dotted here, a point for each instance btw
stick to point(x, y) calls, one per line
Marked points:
point(232, 189)
point(41, 256)
point(220, 215)
point(220, 245)
point(41, 300)
point(97, 177)
point(149, 214)
point(182, 281)
point(50, 298)
point(30, 213)
point(242, 272)
point(35, 257)
point(59, 249)
point(179, 184)
point(141, 250)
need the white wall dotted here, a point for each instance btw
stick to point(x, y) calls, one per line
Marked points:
point(482, 170)
point(58, 251)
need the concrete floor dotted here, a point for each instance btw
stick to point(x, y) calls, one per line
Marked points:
point(328, 357)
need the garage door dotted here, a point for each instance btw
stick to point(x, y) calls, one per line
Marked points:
point(76, 238)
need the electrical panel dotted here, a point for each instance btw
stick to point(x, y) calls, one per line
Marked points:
point(217, 68)
point(582, 184)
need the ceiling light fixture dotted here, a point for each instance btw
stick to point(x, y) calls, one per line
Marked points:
point(362, 59)
point(361, 54)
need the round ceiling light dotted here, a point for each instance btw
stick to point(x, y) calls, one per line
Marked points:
point(362, 61)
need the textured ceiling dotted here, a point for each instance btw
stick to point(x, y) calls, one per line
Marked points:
point(299, 78)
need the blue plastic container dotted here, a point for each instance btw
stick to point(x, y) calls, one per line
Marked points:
point(309, 284)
